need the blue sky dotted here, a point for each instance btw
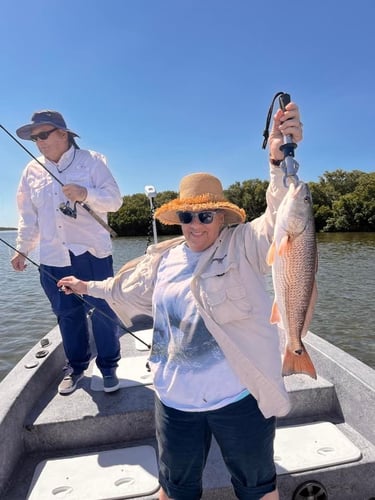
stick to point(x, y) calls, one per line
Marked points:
point(168, 87)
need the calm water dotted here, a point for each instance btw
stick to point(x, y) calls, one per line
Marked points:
point(343, 315)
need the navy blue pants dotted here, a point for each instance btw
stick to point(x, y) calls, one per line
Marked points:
point(245, 438)
point(71, 313)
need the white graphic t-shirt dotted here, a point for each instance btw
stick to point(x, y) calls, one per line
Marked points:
point(190, 370)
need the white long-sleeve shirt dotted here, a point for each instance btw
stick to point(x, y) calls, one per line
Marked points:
point(41, 221)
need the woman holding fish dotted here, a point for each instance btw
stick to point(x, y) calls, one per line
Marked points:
point(215, 356)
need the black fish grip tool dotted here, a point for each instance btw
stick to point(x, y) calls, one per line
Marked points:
point(289, 165)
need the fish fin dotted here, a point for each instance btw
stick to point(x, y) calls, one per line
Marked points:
point(271, 254)
point(298, 363)
point(310, 309)
point(284, 244)
point(275, 313)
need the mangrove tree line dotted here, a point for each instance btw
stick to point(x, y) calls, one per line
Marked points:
point(342, 201)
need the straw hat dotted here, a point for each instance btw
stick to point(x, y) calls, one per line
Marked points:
point(199, 192)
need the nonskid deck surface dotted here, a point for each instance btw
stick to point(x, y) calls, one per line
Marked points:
point(309, 397)
point(90, 421)
point(89, 400)
point(89, 415)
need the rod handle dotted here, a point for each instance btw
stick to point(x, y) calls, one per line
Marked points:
point(98, 219)
point(284, 99)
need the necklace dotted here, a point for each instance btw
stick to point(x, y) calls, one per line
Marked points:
point(65, 168)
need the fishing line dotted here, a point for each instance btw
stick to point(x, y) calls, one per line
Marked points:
point(70, 211)
point(268, 119)
point(93, 308)
point(288, 164)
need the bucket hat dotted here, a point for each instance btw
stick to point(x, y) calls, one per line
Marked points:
point(198, 192)
point(45, 117)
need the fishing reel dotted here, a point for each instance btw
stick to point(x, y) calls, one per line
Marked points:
point(66, 209)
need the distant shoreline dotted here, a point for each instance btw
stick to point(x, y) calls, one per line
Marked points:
point(8, 229)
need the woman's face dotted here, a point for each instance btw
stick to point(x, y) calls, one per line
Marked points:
point(201, 236)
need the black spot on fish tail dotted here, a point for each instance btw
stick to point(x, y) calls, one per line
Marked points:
point(298, 361)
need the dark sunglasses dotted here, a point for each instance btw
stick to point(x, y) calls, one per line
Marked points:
point(42, 135)
point(205, 217)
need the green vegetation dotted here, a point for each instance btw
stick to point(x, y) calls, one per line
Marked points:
point(343, 201)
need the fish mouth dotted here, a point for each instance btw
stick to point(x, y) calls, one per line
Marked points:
point(302, 186)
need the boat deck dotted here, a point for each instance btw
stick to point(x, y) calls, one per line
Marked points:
point(90, 420)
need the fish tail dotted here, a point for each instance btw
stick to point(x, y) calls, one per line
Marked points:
point(298, 362)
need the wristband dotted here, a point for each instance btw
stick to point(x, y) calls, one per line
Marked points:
point(276, 163)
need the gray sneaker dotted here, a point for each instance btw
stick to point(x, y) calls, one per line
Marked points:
point(69, 383)
point(111, 383)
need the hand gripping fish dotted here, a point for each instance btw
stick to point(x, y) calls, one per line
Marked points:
point(293, 256)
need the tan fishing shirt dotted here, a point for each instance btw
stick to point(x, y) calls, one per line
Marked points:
point(230, 290)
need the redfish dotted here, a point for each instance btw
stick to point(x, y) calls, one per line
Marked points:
point(294, 259)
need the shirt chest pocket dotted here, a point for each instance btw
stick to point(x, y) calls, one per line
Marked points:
point(80, 176)
point(225, 295)
point(41, 191)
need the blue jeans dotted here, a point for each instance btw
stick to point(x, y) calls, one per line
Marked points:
point(71, 313)
point(245, 439)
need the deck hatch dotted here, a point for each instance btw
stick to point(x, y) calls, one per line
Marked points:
point(106, 475)
point(312, 446)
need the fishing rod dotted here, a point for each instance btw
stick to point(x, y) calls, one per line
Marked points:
point(117, 323)
point(65, 209)
point(289, 165)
